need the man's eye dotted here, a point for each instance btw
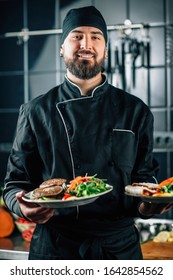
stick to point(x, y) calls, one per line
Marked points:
point(77, 37)
point(96, 38)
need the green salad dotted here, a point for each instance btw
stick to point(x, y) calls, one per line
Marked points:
point(90, 186)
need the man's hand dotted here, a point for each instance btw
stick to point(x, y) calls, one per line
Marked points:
point(32, 212)
point(149, 208)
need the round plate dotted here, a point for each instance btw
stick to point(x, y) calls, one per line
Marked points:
point(57, 203)
point(155, 199)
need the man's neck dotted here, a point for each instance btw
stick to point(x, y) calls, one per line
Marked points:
point(86, 86)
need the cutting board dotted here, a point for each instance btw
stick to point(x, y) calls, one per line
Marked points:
point(157, 251)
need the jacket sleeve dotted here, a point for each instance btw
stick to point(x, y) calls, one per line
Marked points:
point(145, 167)
point(23, 163)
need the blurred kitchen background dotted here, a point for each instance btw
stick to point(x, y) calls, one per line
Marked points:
point(140, 61)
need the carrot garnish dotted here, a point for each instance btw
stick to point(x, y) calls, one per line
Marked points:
point(165, 182)
point(78, 180)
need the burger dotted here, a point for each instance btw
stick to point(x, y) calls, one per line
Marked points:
point(50, 189)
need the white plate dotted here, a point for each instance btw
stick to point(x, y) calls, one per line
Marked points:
point(155, 199)
point(57, 203)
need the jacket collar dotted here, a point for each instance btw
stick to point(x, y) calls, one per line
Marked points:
point(74, 91)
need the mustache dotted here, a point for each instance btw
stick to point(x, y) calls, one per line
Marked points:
point(85, 52)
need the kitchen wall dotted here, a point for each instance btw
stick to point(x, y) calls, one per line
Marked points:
point(30, 64)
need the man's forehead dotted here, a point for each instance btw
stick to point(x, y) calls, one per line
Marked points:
point(88, 29)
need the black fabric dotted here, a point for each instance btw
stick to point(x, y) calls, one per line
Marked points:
point(125, 133)
point(109, 134)
point(86, 16)
point(122, 244)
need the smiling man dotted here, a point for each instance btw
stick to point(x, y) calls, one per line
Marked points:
point(83, 126)
point(84, 52)
point(84, 46)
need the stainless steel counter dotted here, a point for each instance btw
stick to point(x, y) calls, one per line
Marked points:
point(14, 247)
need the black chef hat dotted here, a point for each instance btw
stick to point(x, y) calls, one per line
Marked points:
point(86, 16)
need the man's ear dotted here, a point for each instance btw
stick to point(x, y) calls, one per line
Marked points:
point(106, 53)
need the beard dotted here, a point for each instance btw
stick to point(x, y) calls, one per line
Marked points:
point(83, 69)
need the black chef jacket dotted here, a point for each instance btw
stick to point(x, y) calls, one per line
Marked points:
point(62, 134)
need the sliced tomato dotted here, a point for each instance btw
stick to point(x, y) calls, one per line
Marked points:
point(66, 196)
point(27, 234)
point(72, 197)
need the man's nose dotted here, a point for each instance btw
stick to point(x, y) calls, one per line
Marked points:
point(86, 43)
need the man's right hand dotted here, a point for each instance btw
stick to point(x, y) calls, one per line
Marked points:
point(32, 212)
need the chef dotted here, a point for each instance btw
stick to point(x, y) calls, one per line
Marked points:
point(83, 126)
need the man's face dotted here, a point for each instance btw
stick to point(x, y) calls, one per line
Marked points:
point(84, 51)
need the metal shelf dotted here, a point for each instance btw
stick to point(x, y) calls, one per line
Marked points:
point(25, 33)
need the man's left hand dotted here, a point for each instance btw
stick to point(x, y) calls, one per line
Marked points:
point(149, 208)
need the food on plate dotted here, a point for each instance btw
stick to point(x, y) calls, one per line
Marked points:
point(164, 236)
point(144, 188)
point(85, 186)
point(166, 182)
point(165, 188)
point(81, 186)
point(49, 189)
point(53, 182)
